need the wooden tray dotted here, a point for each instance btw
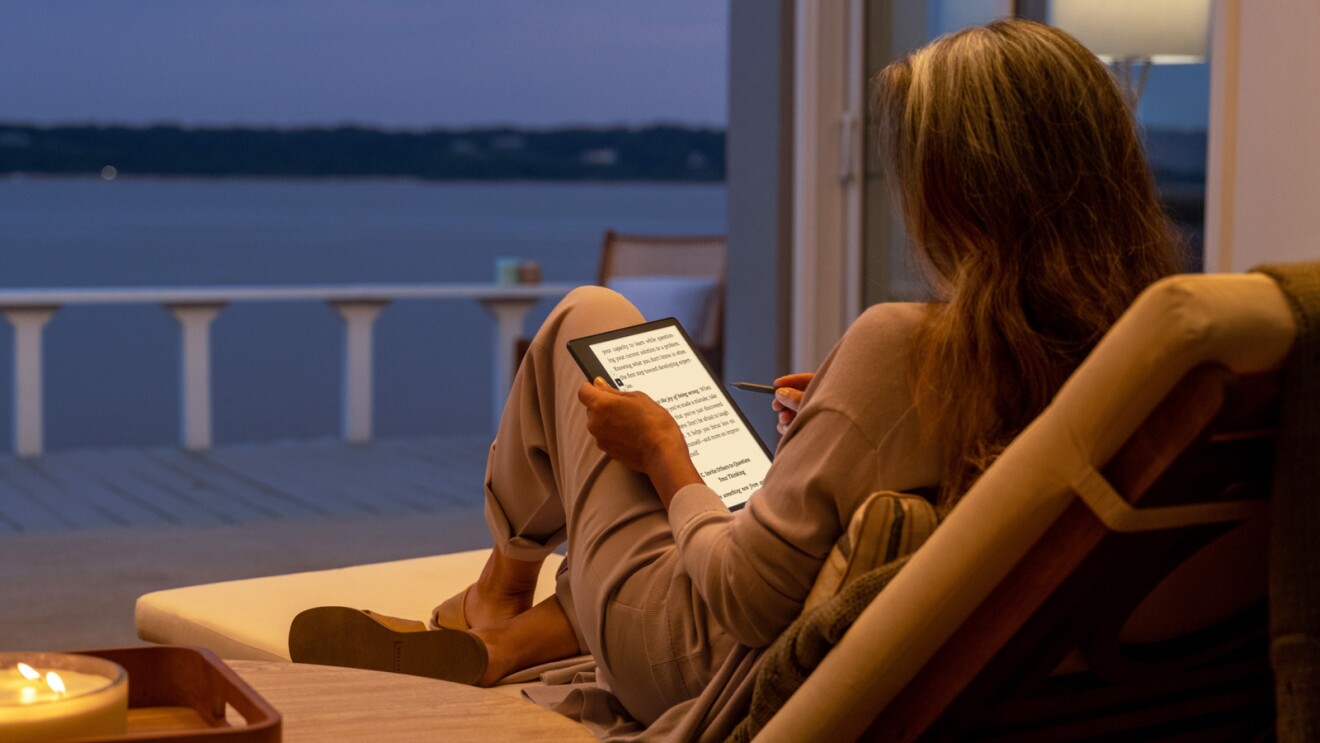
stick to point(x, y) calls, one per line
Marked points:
point(178, 693)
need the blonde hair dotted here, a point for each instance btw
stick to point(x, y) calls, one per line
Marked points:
point(1025, 190)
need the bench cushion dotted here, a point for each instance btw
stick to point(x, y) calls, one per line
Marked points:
point(249, 619)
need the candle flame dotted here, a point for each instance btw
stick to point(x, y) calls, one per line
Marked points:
point(29, 673)
point(55, 683)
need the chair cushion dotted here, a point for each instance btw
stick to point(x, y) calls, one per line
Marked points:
point(887, 526)
point(884, 531)
point(249, 619)
point(689, 299)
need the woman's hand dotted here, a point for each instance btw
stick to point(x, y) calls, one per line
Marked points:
point(637, 431)
point(788, 397)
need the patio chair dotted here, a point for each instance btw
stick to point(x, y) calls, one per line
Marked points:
point(668, 275)
point(683, 274)
point(1065, 597)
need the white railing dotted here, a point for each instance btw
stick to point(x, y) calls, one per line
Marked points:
point(28, 311)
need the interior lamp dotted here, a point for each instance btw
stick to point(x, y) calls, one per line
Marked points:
point(1132, 35)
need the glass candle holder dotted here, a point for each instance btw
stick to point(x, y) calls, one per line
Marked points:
point(59, 696)
point(506, 270)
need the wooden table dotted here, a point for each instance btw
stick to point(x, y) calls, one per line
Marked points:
point(321, 703)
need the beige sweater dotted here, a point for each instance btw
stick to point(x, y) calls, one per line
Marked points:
point(856, 434)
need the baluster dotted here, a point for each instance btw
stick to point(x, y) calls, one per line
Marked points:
point(509, 313)
point(359, 317)
point(29, 418)
point(195, 372)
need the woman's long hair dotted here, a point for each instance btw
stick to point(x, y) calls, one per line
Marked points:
point(1025, 190)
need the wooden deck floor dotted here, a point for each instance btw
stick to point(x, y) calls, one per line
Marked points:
point(239, 483)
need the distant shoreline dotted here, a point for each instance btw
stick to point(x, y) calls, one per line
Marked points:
point(654, 154)
point(20, 176)
point(648, 154)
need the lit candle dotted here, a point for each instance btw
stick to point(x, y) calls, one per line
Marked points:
point(56, 696)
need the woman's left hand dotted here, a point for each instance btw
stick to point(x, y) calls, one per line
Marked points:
point(637, 431)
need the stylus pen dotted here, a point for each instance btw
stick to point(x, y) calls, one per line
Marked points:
point(753, 387)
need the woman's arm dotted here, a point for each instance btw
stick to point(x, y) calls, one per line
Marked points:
point(854, 434)
point(637, 431)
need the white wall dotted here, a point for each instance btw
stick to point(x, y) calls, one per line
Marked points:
point(1263, 190)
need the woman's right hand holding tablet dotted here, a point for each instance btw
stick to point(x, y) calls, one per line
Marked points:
point(788, 397)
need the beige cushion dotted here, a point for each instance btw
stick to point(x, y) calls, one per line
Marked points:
point(249, 619)
point(692, 300)
point(887, 526)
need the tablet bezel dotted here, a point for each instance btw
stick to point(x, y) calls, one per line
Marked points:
point(580, 350)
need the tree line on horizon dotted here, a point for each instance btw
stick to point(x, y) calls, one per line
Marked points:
point(654, 153)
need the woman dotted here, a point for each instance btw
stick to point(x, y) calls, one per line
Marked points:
point(1027, 198)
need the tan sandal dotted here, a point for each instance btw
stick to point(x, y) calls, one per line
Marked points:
point(354, 638)
point(452, 614)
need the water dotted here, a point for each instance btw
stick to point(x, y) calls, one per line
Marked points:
point(111, 372)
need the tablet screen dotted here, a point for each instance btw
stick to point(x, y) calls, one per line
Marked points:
point(659, 359)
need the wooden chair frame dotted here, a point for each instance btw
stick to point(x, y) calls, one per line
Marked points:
point(995, 677)
point(609, 250)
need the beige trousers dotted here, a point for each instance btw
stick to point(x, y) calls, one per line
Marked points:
point(622, 586)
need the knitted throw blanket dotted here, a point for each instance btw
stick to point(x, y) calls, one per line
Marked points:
point(1295, 522)
point(796, 653)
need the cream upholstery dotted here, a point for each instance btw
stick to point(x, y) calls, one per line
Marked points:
point(249, 619)
point(1241, 321)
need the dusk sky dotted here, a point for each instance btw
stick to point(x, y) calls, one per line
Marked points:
point(390, 63)
point(411, 64)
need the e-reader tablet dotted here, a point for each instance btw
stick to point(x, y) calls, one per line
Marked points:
point(659, 358)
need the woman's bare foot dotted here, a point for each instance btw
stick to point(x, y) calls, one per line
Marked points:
point(485, 608)
point(538, 635)
point(504, 590)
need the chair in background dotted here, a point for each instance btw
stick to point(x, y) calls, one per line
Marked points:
point(678, 276)
point(666, 275)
